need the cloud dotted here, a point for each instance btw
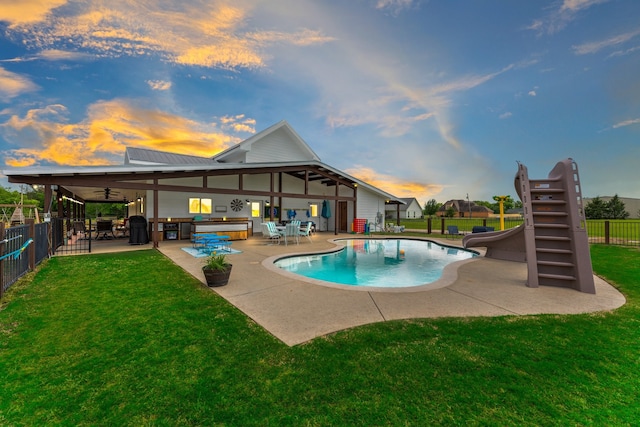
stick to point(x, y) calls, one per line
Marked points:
point(400, 103)
point(12, 85)
point(200, 33)
point(505, 115)
point(395, 186)
point(396, 5)
point(26, 12)
point(51, 55)
point(46, 136)
point(577, 5)
point(560, 16)
point(61, 55)
point(238, 124)
point(593, 47)
point(626, 123)
point(532, 93)
point(159, 84)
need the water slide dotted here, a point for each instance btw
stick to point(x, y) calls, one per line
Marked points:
point(507, 245)
point(553, 238)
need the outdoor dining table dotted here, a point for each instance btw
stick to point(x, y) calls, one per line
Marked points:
point(289, 230)
point(209, 242)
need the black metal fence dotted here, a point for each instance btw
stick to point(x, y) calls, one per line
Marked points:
point(71, 235)
point(614, 232)
point(21, 248)
point(608, 232)
point(25, 246)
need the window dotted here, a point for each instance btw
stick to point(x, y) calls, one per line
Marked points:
point(199, 206)
point(255, 209)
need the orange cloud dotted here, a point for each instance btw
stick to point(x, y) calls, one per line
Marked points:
point(395, 186)
point(101, 138)
point(27, 11)
point(238, 124)
point(212, 34)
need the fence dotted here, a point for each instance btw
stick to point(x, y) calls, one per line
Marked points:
point(70, 235)
point(608, 232)
point(22, 248)
point(20, 254)
point(614, 232)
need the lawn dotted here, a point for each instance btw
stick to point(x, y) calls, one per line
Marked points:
point(131, 339)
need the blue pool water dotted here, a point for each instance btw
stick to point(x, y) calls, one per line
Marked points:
point(392, 263)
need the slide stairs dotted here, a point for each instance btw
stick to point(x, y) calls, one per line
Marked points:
point(554, 233)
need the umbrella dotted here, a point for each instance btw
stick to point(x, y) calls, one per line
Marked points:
point(326, 210)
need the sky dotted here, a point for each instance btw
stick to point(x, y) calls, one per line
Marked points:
point(430, 99)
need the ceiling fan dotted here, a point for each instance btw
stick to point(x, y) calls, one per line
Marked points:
point(107, 192)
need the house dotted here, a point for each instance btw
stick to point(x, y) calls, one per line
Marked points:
point(409, 210)
point(273, 175)
point(464, 209)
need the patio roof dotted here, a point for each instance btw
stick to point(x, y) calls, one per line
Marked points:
point(89, 183)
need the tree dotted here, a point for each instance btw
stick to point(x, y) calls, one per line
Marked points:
point(616, 209)
point(507, 204)
point(596, 209)
point(450, 212)
point(12, 197)
point(431, 207)
point(599, 209)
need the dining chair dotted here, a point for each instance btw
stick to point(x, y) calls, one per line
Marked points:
point(306, 231)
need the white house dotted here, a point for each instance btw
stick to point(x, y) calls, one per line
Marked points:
point(409, 210)
point(271, 176)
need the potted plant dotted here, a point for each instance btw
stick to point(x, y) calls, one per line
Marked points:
point(217, 270)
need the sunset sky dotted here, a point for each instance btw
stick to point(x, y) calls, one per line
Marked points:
point(426, 99)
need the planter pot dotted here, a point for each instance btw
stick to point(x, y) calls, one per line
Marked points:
point(216, 277)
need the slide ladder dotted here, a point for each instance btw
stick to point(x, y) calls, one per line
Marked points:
point(554, 233)
point(555, 229)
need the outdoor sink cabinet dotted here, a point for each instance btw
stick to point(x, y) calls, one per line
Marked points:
point(235, 228)
point(183, 228)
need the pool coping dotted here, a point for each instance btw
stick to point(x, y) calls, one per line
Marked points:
point(296, 311)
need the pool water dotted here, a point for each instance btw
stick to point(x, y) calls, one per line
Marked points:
point(392, 263)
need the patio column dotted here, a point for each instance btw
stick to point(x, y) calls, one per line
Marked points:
point(155, 216)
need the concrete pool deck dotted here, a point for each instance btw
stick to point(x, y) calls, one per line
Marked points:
point(296, 310)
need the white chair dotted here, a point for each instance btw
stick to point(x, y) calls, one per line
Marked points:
point(306, 231)
point(270, 232)
point(292, 230)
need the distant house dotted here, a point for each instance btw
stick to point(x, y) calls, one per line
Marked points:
point(464, 209)
point(409, 210)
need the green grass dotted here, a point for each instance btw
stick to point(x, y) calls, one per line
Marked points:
point(131, 339)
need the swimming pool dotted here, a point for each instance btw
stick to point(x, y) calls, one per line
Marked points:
point(389, 263)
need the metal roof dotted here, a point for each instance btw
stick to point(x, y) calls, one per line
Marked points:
point(136, 155)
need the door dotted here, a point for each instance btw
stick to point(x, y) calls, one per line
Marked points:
point(342, 217)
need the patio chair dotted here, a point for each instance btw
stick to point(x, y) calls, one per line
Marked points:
point(292, 230)
point(270, 232)
point(122, 230)
point(104, 227)
point(80, 229)
point(452, 230)
point(306, 231)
